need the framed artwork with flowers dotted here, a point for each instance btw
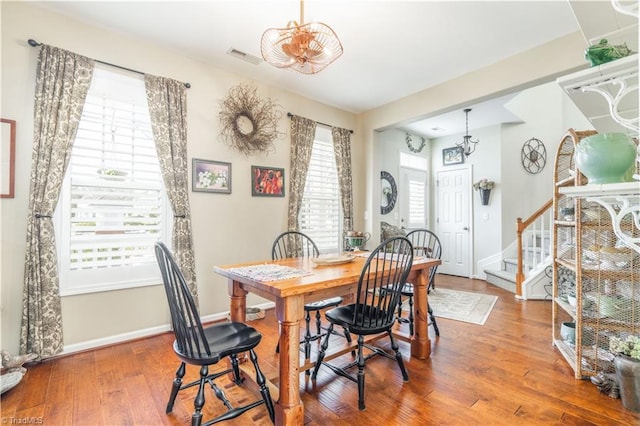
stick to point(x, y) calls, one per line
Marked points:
point(211, 176)
point(267, 181)
point(453, 155)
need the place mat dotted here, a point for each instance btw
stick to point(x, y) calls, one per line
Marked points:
point(269, 272)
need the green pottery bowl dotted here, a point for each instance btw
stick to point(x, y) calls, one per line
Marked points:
point(606, 158)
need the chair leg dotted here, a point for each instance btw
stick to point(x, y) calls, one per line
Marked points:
point(264, 390)
point(198, 403)
point(177, 382)
point(318, 323)
point(410, 315)
point(361, 361)
point(236, 369)
point(394, 346)
point(347, 335)
point(307, 336)
point(433, 320)
point(323, 350)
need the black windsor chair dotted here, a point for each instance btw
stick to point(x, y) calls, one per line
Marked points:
point(374, 312)
point(197, 345)
point(298, 244)
point(425, 243)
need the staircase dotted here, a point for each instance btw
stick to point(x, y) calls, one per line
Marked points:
point(506, 277)
point(523, 270)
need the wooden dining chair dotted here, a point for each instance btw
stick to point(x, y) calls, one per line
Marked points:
point(298, 244)
point(197, 345)
point(425, 243)
point(374, 312)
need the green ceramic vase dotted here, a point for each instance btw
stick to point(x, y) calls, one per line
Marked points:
point(606, 158)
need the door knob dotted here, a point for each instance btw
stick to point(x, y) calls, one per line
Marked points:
point(466, 228)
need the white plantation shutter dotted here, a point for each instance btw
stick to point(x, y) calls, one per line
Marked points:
point(113, 206)
point(417, 207)
point(413, 171)
point(320, 214)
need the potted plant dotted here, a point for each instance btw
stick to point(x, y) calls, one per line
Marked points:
point(627, 365)
point(484, 186)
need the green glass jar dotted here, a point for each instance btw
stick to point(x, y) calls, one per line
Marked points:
point(606, 158)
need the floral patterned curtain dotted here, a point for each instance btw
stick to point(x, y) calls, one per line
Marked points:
point(62, 82)
point(342, 149)
point(303, 132)
point(167, 101)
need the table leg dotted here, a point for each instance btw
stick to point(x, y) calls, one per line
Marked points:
point(289, 408)
point(420, 342)
point(238, 307)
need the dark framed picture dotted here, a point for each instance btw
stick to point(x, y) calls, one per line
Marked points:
point(211, 176)
point(267, 181)
point(7, 157)
point(453, 155)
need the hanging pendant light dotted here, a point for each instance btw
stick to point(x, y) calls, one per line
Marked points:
point(468, 145)
point(306, 48)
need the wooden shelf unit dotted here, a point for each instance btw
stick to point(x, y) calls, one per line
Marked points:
point(592, 259)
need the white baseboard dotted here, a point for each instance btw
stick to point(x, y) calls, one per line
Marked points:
point(139, 334)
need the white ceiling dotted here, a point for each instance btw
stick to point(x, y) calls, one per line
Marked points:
point(392, 49)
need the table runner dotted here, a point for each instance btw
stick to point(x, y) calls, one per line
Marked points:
point(269, 272)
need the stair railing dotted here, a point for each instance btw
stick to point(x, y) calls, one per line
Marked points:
point(537, 226)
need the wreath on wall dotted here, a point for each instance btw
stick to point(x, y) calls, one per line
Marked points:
point(249, 123)
point(411, 146)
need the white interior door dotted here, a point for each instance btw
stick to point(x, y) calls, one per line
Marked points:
point(453, 221)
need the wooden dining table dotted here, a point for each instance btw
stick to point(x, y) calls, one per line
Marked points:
point(291, 283)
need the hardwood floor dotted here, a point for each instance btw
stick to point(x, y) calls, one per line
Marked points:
point(505, 372)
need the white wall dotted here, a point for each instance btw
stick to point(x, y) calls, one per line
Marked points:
point(546, 113)
point(528, 69)
point(227, 228)
point(483, 163)
point(390, 144)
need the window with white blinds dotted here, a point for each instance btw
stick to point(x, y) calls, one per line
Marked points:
point(113, 206)
point(320, 214)
point(417, 205)
point(413, 201)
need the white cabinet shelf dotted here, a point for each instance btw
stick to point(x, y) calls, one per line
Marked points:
point(607, 94)
point(620, 200)
point(605, 189)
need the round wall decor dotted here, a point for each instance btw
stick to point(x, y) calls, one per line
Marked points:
point(247, 122)
point(411, 146)
point(389, 192)
point(533, 156)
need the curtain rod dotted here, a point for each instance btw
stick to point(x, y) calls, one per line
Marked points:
point(324, 124)
point(34, 43)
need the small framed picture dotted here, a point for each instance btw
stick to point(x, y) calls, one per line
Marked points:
point(211, 176)
point(7, 157)
point(453, 155)
point(267, 181)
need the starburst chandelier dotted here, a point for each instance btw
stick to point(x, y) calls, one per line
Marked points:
point(306, 48)
point(468, 145)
